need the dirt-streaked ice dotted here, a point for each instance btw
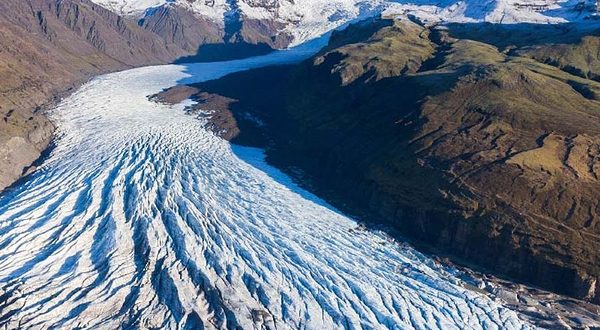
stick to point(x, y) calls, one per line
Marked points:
point(140, 218)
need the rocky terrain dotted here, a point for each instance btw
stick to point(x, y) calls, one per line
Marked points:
point(483, 146)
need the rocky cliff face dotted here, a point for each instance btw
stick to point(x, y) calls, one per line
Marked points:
point(486, 153)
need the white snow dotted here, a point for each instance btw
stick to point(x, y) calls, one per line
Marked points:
point(140, 218)
point(308, 19)
point(492, 11)
point(130, 7)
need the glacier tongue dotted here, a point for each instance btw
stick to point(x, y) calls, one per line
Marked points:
point(141, 218)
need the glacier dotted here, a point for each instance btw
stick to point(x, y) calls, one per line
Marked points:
point(140, 218)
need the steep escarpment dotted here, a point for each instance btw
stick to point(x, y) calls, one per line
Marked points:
point(181, 27)
point(486, 153)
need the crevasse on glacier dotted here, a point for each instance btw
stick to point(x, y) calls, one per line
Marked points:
point(141, 219)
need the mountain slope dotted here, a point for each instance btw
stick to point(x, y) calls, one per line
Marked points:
point(46, 47)
point(478, 151)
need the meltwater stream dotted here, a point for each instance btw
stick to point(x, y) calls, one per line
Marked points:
point(140, 218)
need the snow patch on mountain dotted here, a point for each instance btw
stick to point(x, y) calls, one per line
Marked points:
point(309, 19)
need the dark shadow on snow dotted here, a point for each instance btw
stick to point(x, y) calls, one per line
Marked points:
point(225, 52)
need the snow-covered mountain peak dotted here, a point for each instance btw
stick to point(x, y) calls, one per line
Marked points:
point(257, 9)
point(302, 19)
point(306, 19)
point(506, 11)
